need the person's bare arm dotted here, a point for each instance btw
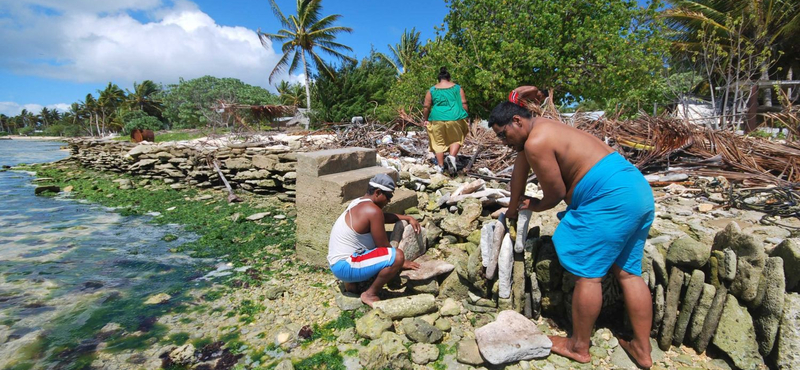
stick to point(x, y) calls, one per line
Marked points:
point(377, 228)
point(391, 218)
point(542, 158)
point(464, 100)
point(426, 107)
point(530, 93)
point(519, 178)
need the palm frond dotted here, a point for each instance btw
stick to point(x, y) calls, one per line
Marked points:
point(279, 67)
point(278, 14)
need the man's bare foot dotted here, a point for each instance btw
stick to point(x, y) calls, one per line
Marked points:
point(369, 299)
point(640, 356)
point(562, 346)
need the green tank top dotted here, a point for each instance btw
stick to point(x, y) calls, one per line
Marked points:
point(446, 104)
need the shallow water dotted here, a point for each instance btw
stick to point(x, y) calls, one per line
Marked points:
point(68, 268)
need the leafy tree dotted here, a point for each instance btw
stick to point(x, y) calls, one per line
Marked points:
point(187, 103)
point(292, 94)
point(143, 98)
point(771, 25)
point(608, 51)
point(355, 90)
point(305, 33)
point(405, 51)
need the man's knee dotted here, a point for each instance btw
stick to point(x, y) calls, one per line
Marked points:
point(399, 258)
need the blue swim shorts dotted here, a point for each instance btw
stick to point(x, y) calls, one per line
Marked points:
point(363, 266)
point(608, 220)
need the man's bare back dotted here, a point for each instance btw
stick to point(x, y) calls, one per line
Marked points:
point(575, 152)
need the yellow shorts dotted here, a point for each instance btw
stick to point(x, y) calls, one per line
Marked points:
point(442, 134)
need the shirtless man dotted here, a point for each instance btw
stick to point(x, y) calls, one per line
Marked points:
point(610, 210)
point(359, 248)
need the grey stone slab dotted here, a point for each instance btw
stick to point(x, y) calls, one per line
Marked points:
point(511, 337)
point(326, 162)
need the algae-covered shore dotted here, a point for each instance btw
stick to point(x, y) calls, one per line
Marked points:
point(250, 304)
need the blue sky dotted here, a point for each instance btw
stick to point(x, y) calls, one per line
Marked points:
point(60, 50)
point(57, 51)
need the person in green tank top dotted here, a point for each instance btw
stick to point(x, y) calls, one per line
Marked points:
point(445, 117)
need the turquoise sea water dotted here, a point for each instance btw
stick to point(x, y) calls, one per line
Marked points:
point(68, 268)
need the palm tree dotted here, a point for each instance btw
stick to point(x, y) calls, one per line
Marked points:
point(143, 98)
point(404, 52)
point(305, 33)
point(770, 24)
point(110, 99)
point(5, 123)
point(291, 94)
point(91, 107)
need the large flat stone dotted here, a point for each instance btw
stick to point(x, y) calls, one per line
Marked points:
point(736, 336)
point(427, 270)
point(326, 162)
point(512, 337)
point(410, 306)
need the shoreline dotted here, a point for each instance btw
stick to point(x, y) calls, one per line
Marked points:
point(33, 138)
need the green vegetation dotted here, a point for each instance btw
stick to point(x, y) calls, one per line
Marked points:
point(328, 359)
point(242, 242)
point(325, 332)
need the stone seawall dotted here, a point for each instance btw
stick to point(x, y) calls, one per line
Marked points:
point(260, 168)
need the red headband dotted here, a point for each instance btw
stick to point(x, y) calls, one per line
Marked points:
point(513, 97)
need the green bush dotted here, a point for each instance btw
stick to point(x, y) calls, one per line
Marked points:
point(143, 123)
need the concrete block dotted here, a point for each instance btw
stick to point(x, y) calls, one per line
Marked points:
point(327, 162)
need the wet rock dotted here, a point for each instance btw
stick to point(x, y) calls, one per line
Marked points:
point(373, 324)
point(450, 308)
point(348, 301)
point(428, 269)
point(769, 305)
point(787, 352)
point(420, 331)
point(46, 189)
point(548, 271)
point(407, 306)
point(701, 311)
point(671, 308)
point(688, 252)
point(183, 355)
point(689, 302)
point(423, 353)
point(512, 337)
point(789, 251)
point(158, 298)
point(257, 216)
point(467, 352)
point(736, 336)
point(750, 260)
point(713, 268)
point(387, 352)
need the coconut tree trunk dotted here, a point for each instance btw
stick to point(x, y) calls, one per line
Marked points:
point(768, 89)
point(308, 85)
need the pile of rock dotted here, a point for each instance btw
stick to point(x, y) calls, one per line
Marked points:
point(261, 167)
point(731, 293)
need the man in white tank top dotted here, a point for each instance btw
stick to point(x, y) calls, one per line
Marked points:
point(359, 247)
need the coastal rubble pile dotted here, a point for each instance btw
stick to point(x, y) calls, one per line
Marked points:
point(260, 167)
point(728, 288)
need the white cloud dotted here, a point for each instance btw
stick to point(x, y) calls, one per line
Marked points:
point(91, 41)
point(12, 109)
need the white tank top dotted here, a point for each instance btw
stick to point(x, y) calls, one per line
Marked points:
point(345, 241)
